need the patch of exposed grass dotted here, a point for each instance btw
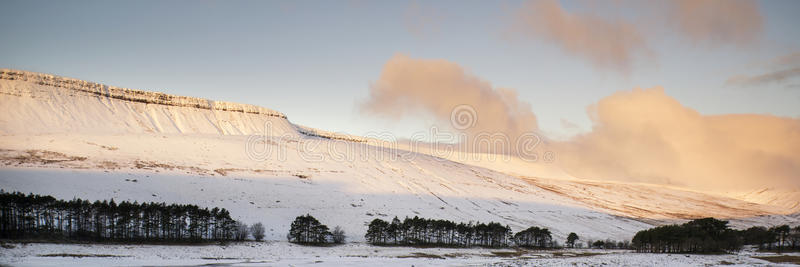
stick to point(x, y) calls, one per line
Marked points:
point(559, 254)
point(587, 254)
point(455, 255)
point(781, 259)
point(422, 255)
point(219, 258)
point(83, 255)
point(508, 254)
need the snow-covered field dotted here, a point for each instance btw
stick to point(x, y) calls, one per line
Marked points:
point(351, 199)
point(70, 138)
point(279, 253)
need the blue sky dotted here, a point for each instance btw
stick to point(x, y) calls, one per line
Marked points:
point(315, 60)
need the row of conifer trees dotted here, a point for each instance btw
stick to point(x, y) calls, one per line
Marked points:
point(432, 232)
point(45, 217)
point(777, 238)
point(308, 230)
point(710, 235)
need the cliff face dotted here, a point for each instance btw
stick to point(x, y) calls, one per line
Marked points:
point(35, 103)
point(97, 89)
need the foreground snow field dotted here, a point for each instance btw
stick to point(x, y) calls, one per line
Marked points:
point(354, 254)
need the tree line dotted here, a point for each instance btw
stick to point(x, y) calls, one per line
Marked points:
point(45, 217)
point(774, 238)
point(710, 235)
point(421, 231)
point(307, 230)
point(608, 244)
point(534, 237)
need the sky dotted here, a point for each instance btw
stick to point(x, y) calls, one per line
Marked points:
point(318, 61)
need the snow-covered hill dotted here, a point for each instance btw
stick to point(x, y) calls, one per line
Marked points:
point(70, 138)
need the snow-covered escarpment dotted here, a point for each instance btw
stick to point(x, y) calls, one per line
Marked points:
point(92, 88)
point(68, 138)
point(39, 103)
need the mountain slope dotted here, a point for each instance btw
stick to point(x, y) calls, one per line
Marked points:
point(68, 138)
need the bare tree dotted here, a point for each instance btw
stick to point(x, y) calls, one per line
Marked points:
point(338, 235)
point(242, 231)
point(257, 230)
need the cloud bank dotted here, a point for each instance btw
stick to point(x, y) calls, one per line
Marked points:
point(440, 87)
point(642, 135)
